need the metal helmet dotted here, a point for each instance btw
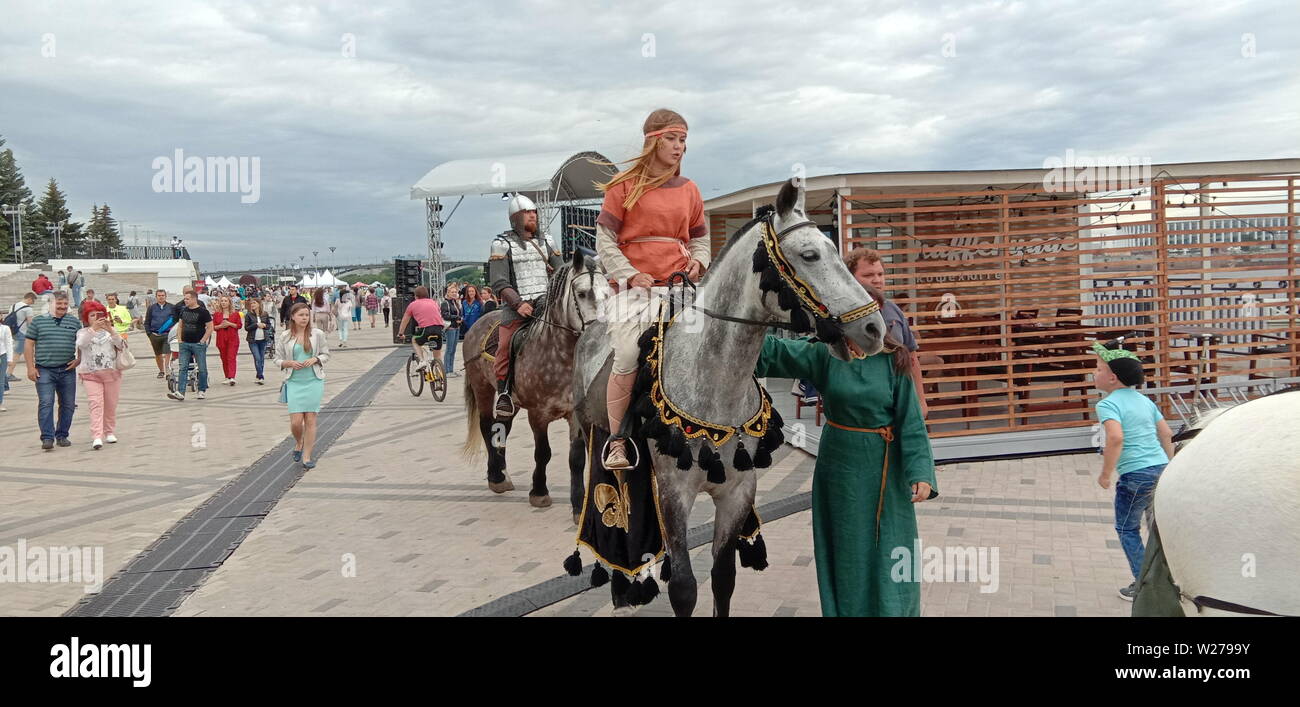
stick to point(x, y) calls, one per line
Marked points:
point(518, 203)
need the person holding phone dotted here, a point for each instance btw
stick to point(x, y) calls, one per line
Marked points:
point(98, 345)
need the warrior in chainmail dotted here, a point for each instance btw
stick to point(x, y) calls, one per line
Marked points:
point(519, 267)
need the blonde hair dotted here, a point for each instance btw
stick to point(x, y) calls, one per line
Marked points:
point(639, 172)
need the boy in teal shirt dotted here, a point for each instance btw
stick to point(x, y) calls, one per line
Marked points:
point(1138, 444)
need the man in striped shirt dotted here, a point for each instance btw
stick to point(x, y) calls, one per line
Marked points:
point(51, 364)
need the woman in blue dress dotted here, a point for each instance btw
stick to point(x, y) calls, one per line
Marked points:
point(302, 352)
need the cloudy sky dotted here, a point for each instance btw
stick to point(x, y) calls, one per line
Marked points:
point(347, 104)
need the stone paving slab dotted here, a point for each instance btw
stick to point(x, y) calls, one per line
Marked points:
point(1057, 549)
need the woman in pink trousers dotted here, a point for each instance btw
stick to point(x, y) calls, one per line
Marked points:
point(98, 346)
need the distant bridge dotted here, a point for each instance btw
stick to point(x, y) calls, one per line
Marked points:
point(449, 266)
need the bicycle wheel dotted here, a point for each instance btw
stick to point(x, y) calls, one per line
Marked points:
point(438, 382)
point(414, 377)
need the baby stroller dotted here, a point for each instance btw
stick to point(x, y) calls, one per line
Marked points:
point(176, 389)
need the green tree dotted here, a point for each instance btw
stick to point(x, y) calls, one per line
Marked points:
point(52, 209)
point(13, 192)
point(102, 238)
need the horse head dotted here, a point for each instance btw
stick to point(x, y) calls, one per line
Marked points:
point(814, 290)
point(582, 289)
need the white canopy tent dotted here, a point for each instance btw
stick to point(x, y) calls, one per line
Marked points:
point(225, 282)
point(208, 282)
point(551, 180)
point(308, 280)
point(559, 175)
point(327, 279)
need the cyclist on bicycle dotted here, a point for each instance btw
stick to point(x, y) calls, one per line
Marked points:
point(428, 323)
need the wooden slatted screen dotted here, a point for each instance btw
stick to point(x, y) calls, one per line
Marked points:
point(1006, 289)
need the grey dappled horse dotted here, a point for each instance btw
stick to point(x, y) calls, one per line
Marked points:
point(543, 374)
point(707, 371)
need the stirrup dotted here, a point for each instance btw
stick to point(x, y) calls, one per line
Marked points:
point(627, 443)
point(498, 412)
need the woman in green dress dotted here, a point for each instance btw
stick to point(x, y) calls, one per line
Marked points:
point(873, 463)
point(302, 352)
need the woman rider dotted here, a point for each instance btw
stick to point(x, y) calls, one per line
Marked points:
point(651, 225)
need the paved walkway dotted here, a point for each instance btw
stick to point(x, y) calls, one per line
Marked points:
point(394, 522)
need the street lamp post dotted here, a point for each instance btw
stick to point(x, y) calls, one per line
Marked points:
point(56, 230)
point(16, 216)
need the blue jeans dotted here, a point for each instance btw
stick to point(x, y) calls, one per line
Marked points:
point(1133, 493)
point(199, 353)
point(52, 382)
point(4, 375)
point(449, 349)
point(76, 295)
point(258, 349)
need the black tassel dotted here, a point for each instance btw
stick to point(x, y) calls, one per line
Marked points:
point(666, 571)
point(716, 472)
point(573, 564)
point(636, 594)
point(599, 576)
point(799, 320)
point(775, 421)
point(770, 280)
point(774, 437)
point(676, 442)
point(762, 458)
point(786, 299)
point(753, 556)
point(620, 583)
point(654, 428)
point(761, 261)
point(684, 461)
point(741, 461)
point(828, 332)
point(705, 455)
point(649, 590)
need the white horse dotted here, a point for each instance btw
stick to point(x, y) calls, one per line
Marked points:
point(1227, 508)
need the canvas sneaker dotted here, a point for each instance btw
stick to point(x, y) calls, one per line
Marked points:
point(202, 395)
point(1127, 593)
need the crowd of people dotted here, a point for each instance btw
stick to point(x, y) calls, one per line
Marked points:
point(68, 335)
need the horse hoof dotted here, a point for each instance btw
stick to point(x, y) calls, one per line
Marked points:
point(501, 487)
point(577, 519)
point(539, 501)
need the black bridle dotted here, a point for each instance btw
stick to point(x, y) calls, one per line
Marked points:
point(544, 318)
point(770, 250)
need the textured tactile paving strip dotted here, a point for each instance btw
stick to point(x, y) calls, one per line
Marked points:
point(160, 578)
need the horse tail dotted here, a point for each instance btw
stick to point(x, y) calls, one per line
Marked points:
point(472, 447)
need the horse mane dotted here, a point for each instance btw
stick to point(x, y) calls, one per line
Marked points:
point(763, 211)
point(553, 288)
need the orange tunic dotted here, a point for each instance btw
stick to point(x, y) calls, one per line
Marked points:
point(654, 235)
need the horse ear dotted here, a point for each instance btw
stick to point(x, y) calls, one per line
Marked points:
point(790, 199)
point(575, 258)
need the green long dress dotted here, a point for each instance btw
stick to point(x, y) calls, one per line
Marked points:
point(853, 569)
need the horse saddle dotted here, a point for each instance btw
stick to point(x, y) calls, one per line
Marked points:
point(517, 342)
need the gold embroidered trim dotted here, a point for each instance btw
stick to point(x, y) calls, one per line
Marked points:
point(693, 427)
